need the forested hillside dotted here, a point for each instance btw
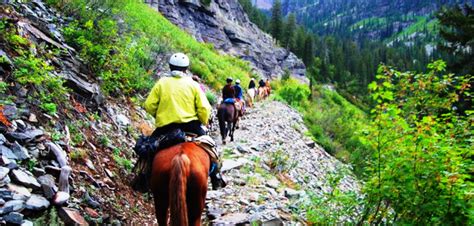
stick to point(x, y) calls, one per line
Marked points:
point(372, 19)
point(342, 42)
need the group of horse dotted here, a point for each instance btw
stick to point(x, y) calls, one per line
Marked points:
point(179, 173)
point(229, 115)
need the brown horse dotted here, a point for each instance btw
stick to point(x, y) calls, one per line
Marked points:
point(263, 93)
point(228, 115)
point(179, 184)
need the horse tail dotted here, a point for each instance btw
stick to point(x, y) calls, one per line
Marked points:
point(177, 187)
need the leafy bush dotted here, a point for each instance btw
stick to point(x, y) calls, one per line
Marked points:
point(422, 164)
point(211, 97)
point(292, 92)
point(32, 70)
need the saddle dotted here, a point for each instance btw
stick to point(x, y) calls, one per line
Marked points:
point(147, 147)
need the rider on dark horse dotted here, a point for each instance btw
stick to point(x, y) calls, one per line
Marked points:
point(228, 92)
point(177, 102)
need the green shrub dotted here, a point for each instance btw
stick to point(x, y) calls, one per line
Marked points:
point(292, 92)
point(211, 97)
point(421, 167)
point(32, 70)
point(50, 108)
point(3, 86)
point(123, 56)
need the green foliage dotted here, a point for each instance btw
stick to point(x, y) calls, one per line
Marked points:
point(123, 162)
point(50, 108)
point(276, 22)
point(286, 75)
point(334, 207)
point(422, 164)
point(206, 2)
point(3, 86)
point(104, 140)
point(280, 161)
point(123, 56)
point(32, 70)
point(292, 92)
point(458, 33)
point(211, 97)
point(78, 155)
point(50, 217)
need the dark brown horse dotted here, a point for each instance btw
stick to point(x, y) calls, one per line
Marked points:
point(228, 115)
point(179, 184)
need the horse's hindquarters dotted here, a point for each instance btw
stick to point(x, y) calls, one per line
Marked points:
point(176, 170)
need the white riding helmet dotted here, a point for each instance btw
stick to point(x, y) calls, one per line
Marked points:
point(179, 60)
point(237, 81)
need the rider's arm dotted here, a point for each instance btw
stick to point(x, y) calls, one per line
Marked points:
point(151, 102)
point(203, 107)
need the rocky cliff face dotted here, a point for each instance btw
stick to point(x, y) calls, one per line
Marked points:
point(225, 24)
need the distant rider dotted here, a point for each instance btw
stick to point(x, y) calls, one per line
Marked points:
point(228, 92)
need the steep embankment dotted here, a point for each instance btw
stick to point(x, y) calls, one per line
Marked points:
point(228, 28)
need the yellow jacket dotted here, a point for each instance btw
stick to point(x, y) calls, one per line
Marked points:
point(177, 99)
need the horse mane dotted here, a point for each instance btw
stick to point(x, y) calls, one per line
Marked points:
point(177, 187)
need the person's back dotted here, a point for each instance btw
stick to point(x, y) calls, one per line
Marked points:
point(261, 83)
point(228, 92)
point(177, 99)
point(252, 84)
point(238, 90)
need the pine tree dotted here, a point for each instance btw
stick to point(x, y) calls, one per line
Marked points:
point(308, 53)
point(457, 30)
point(277, 21)
point(289, 33)
point(300, 41)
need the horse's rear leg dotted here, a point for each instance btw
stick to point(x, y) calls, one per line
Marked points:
point(161, 208)
point(196, 201)
point(223, 129)
point(232, 129)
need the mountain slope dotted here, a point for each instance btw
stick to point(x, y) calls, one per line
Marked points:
point(374, 19)
point(227, 27)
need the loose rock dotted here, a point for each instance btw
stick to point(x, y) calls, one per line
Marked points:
point(36, 202)
point(71, 216)
point(48, 185)
point(25, 179)
point(14, 218)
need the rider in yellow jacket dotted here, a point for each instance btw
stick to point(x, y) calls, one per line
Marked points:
point(177, 102)
point(177, 99)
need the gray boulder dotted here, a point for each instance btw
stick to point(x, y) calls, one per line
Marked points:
point(7, 152)
point(26, 136)
point(36, 202)
point(25, 179)
point(20, 152)
point(12, 205)
point(48, 185)
point(2, 139)
point(14, 218)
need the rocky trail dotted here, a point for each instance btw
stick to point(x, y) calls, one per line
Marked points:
point(269, 168)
